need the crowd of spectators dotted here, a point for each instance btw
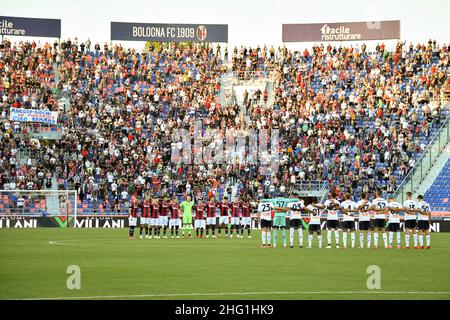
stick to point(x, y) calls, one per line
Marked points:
point(347, 117)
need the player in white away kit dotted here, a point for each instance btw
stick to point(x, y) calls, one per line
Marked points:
point(314, 224)
point(364, 220)
point(331, 205)
point(410, 208)
point(348, 208)
point(394, 221)
point(379, 205)
point(265, 216)
point(424, 222)
point(295, 221)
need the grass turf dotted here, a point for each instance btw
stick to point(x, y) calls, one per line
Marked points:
point(117, 268)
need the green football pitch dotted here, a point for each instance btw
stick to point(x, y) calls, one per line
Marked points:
point(34, 263)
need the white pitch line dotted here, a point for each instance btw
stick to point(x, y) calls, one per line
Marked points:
point(241, 294)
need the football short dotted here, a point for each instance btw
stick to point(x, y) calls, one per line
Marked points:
point(211, 220)
point(200, 224)
point(379, 223)
point(423, 224)
point(187, 219)
point(314, 228)
point(154, 221)
point(224, 220)
point(348, 225)
point(266, 224)
point(163, 220)
point(144, 221)
point(394, 227)
point(246, 221)
point(279, 222)
point(410, 224)
point(132, 222)
point(332, 224)
point(364, 225)
point(295, 223)
point(235, 220)
point(175, 222)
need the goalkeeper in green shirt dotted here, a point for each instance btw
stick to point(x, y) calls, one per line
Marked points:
point(186, 208)
point(279, 220)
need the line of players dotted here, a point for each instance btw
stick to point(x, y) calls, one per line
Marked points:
point(416, 216)
point(156, 216)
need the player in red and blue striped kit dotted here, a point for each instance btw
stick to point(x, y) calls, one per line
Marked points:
point(235, 217)
point(145, 216)
point(224, 209)
point(163, 216)
point(132, 219)
point(211, 217)
point(200, 223)
point(175, 213)
point(246, 220)
point(154, 218)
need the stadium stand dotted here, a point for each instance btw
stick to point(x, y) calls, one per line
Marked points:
point(347, 117)
point(439, 193)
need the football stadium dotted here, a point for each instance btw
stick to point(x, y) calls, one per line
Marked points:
point(246, 150)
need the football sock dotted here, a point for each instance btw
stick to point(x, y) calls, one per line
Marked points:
point(336, 236)
point(263, 237)
point(176, 230)
point(201, 232)
point(207, 231)
point(375, 239)
point(300, 236)
point(283, 235)
point(344, 239)
point(131, 231)
point(329, 237)
point(428, 238)
point(291, 236)
point(415, 239)
point(369, 238)
point(275, 237)
point(310, 237)
point(352, 237)
point(399, 240)
point(248, 230)
point(214, 230)
point(320, 241)
point(391, 238)
point(385, 238)
point(268, 237)
point(196, 231)
point(361, 240)
point(421, 240)
point(407, 239)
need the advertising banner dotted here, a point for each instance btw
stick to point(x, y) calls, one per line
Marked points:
point(30, 27)
point(101, 221)
point(33, 115)
point(130, 31)
point(341, 31)
point(64, 222)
